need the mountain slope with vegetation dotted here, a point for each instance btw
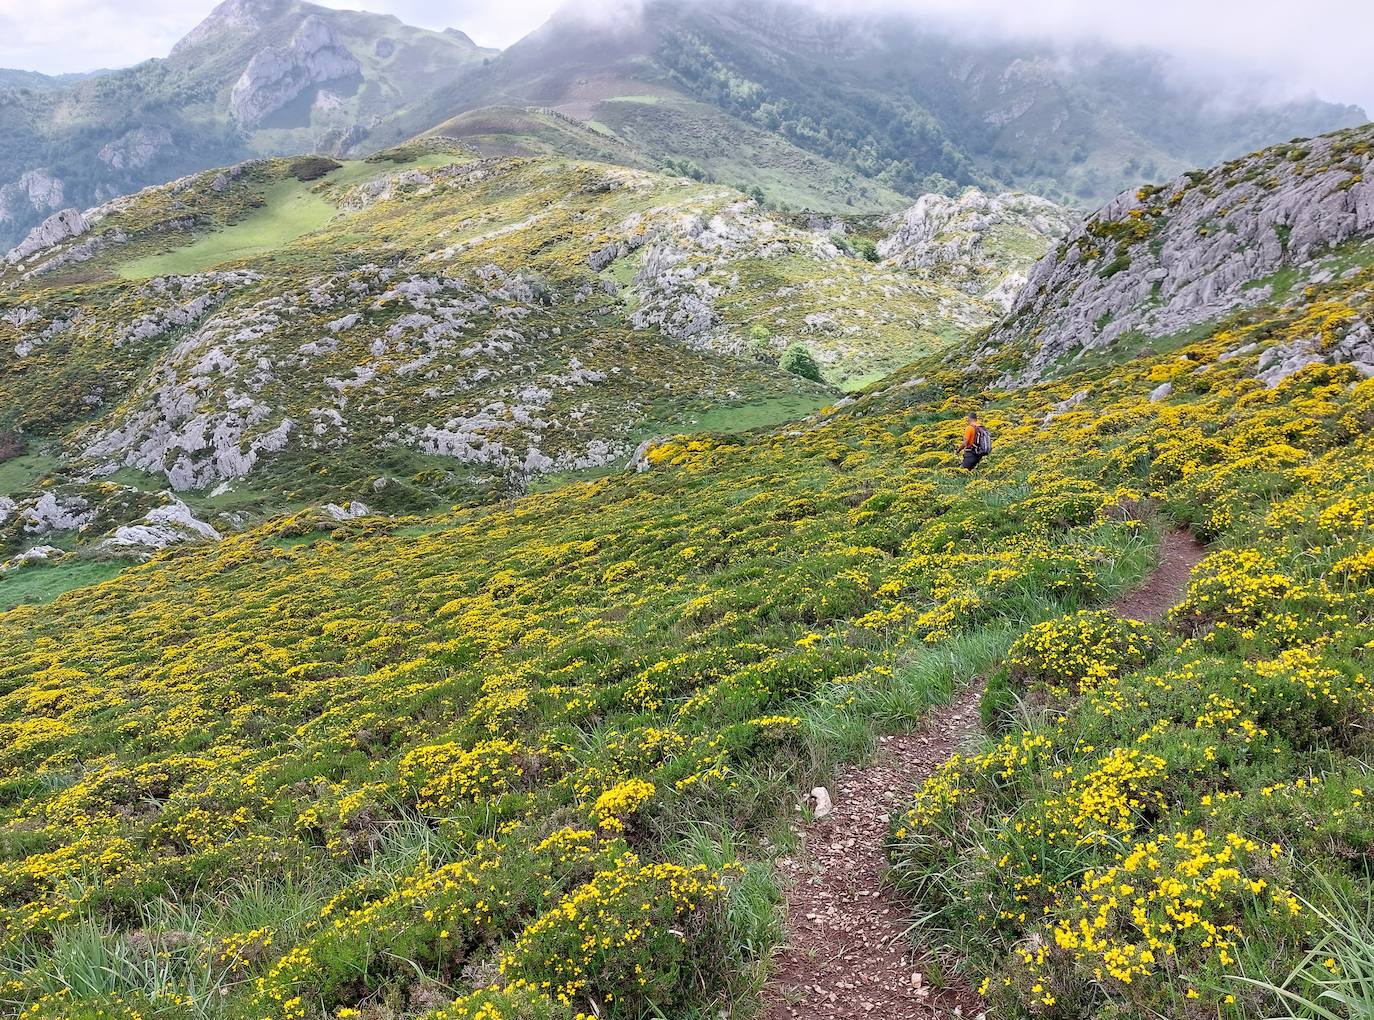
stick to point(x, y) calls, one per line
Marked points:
point(527, 759)
point(1164, 259)
point(823, 109)
point(257, 77)
point(416, 330)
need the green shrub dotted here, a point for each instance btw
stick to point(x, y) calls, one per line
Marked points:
point(798, 360)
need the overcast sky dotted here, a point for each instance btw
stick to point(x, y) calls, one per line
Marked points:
point(1312, 46)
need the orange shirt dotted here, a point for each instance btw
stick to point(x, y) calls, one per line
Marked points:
point(970, 437)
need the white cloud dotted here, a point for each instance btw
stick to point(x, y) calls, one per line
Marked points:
point(1318, 46)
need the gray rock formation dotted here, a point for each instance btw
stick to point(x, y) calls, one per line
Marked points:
point(233, 17)
point(50, 514)
point(34, 191)
point(135, 149)
point(976, 242)
point(162, 526)
point(1356, 348)
point(51, 232)
point(279, 74)
point(1159, 260)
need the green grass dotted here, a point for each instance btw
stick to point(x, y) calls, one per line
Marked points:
point(38, 585)
point(854, 384)
point(292, 210)
point(757, 415)
point(19, 473)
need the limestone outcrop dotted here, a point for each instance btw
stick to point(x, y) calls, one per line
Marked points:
point(279, 74)
point(1161, 259)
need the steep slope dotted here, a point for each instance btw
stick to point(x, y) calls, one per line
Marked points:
point(907, 106)
point(1164, 259)
point(256, 77)
point(421, 328)
point(526, 759)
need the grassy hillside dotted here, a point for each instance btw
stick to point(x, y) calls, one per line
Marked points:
point(672, 132)
point(417, 330)
point(530, 756)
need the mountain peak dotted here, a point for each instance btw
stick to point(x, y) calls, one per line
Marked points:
point(237, 16)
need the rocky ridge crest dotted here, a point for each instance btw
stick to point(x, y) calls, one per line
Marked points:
point(1161, 259)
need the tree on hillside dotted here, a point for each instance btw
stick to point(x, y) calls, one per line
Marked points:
point(798, 360)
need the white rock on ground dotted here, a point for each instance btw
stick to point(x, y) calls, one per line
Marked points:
point(821, 804)
point(38, 554)
point(348, 512)
point(166, 525)
point(50, 514)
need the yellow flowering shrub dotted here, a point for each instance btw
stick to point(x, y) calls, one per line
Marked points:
point(1083, 650)
point(404, 748)
point(622, 933)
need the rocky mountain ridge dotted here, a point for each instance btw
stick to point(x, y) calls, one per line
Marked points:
point(256, 77)
point(1159, 260)
point(970, 240)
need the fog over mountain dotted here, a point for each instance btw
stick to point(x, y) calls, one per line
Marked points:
point(1292, 52)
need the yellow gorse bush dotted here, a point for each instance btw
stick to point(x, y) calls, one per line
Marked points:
point(1190, 782)
point(388, 741)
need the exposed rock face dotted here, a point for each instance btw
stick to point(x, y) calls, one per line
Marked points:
point(51, 232)
point(135, 149)
point(163, 526)
point(279, 74)
point(1356, 348)
point(977, 242)
point(1159, 260)
point(240, 17)
point(35, 190)
point(51, 514)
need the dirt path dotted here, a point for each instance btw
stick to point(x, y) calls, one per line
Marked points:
point(1179, 553)
point(846, 953)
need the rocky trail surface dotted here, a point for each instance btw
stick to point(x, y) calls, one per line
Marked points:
point(846, 952)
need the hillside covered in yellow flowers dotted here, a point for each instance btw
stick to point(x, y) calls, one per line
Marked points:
point(531, 759)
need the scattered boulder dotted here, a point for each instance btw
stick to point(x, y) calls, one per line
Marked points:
point(348, 512)
point(166, 525)
point(49, 513)
point(32, 557)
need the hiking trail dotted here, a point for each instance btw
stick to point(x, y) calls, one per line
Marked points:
point(845, 951)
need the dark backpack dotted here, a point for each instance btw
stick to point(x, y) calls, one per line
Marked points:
point(982, 441)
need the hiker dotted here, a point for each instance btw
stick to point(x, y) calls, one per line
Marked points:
point(977, 443)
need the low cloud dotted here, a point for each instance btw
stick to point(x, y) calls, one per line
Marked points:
point(1263, 50)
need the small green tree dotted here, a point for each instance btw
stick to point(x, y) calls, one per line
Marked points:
point(797, 359)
